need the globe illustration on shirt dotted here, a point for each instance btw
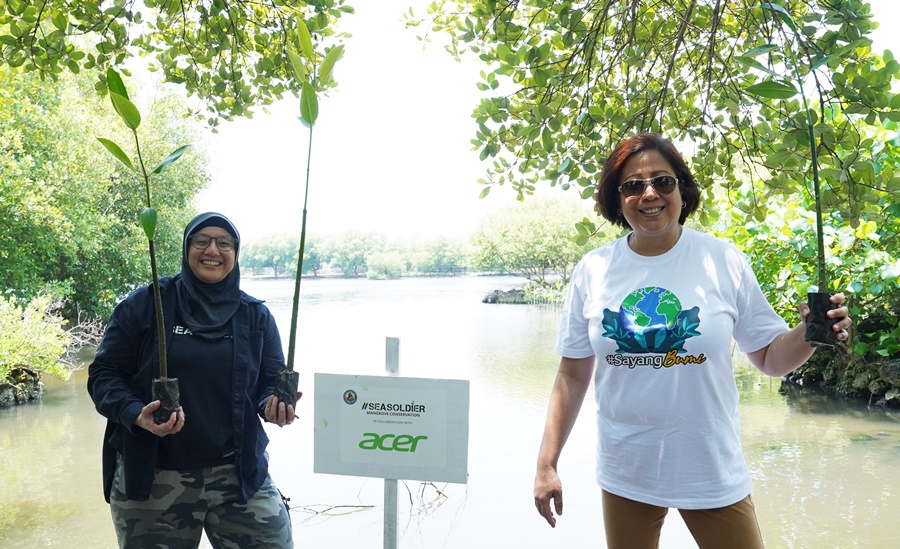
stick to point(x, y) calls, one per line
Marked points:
point(649, 309)
point(651, 320)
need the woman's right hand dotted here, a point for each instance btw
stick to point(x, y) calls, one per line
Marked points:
point(145, 420)
point(547, 488)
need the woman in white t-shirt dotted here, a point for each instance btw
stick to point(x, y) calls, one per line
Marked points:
point(656, 311)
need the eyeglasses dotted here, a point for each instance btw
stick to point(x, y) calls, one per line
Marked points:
point(223, 243)
point(664, 184)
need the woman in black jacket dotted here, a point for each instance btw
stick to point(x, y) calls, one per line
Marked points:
point(206, 467)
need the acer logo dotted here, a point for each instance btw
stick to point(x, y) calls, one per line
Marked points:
point(390, 442)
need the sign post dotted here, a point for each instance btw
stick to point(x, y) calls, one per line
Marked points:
point(391, 519)
point(392, 427)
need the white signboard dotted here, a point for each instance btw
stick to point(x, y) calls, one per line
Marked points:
point(392, 427)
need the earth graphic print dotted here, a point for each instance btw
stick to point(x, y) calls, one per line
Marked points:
point(650, 320)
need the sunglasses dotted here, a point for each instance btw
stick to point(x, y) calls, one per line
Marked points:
point(664, 184)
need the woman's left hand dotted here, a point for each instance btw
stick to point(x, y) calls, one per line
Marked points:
point(279, 413)
point(841, 315)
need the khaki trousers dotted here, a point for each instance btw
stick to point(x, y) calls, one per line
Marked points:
point(634, 525)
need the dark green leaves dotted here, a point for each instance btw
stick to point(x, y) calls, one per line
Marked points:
point(117, 152)
point(148, 222)
point(175, 155)
point(115, 84)
point(126, 110)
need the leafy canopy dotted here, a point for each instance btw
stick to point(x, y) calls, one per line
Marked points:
point(569, 80)
point(231, 55)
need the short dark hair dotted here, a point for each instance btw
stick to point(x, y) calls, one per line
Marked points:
point(608, 186)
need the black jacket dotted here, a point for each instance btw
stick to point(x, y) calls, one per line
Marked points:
point(126, 362)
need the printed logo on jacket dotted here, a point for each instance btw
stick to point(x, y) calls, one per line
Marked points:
point(651, 329)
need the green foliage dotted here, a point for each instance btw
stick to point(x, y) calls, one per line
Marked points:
point(32, 337)
point(231, 55)
point(534, 239)
point(865, 260)
point(68, 216)
point(384, 265)
point(438, 255)
point(277, 252)
point(148, 216)
point(569, 80)
point(350, 249)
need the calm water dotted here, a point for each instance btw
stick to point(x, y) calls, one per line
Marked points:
point(826, 474)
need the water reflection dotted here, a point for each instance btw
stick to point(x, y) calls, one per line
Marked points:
point(826, 471)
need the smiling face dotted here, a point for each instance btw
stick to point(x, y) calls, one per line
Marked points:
point(653, 216)
point(211, 265)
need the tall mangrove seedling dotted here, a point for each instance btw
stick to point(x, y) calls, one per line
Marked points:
point(164, 389)
point(818, 326)
point(315, 74)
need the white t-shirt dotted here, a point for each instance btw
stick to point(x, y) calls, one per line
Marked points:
point(662, 328)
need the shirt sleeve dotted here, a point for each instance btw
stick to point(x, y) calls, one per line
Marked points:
point(114, 366)
point(757, 322)
point(572, 340)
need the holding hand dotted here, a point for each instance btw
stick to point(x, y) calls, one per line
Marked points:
point(145, 420)
point(841, 314)
point(279, 413)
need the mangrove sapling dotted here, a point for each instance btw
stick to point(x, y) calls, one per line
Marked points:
point(819, 328)
point(164, 388)
point(313, 77)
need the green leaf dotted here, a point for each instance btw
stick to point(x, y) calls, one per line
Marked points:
point(327, 69)
point(772, 90)
point(175, 155)
point(115, 84)
point(785, 16)
point(750, 62)
point(148, 222)
point(765, 48)
point(819, 62)
point(304, 40)
point(117, 152)
point(126, 110)
point(60, 20)
point(309, 105)
point(297, 64)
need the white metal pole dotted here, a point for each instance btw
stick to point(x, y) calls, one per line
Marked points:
point(392, 367)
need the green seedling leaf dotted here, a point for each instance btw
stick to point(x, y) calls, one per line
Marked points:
point(115, 84)
point(148, 222)
point(773, 90)
point(327, 69)
point(175, 155)
point(297, 64)
point(126, 110)
point(304, 40)
point(117, 152)
point(309, 105)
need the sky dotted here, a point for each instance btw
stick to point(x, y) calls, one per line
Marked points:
point(391, 150)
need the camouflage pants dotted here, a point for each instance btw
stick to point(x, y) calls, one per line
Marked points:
point(183, 504)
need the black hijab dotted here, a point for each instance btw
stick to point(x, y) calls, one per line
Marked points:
point(206, 309)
